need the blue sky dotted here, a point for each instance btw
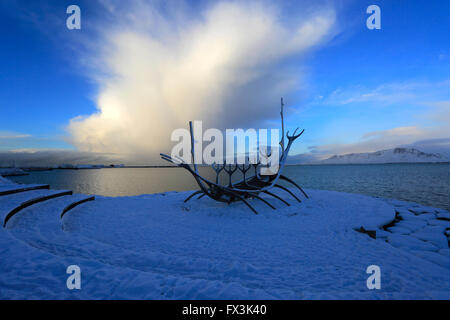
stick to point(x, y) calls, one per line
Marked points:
point(356, 89)
point(406, 63)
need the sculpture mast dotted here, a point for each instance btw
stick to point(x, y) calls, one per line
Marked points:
point(192, 146)
point(282, 126)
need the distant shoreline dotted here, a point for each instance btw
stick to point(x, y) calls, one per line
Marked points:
point(8, 171)
point(346, 164)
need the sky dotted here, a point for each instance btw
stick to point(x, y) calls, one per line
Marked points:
point(137, 70)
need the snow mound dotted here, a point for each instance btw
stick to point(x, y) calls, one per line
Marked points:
point(5, 182)
point(12, 172)
point(158, 247)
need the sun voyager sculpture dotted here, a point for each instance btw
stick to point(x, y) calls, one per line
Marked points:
point(251, 186)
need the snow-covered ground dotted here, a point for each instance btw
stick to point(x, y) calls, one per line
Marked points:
point(5, 181)
point(157, 247)
point(11, 172)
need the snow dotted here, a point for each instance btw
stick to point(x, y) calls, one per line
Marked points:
point(5, 182)
point(435, 257)
point(405, 241)
point(426, 216)
point(411, 225)
point(381, 234)
point(444, 215)
point(399, 230)
point(404, 213)
point(158, 247)
point(11, 172)
point(436, 238)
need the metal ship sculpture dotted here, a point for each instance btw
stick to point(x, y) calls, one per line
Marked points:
point(251, 186)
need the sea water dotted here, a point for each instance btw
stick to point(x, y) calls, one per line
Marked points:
point(428, 184)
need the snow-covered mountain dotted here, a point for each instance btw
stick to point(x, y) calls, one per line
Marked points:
point(396, 155)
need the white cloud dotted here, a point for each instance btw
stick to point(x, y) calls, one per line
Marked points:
point(29, 157)
point(425, 139)
point(399, 132)
point(224, 67)
point(389, 93)
point(428, 126)
point(439, 113)
point(373, 141)
point(8, 135)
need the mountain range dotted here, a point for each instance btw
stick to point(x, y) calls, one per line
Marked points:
point(396, 155)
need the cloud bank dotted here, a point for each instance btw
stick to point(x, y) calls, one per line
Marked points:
point(424, 139)
point(53, 157)
point(227, 66)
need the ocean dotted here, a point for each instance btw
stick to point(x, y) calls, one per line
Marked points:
point(424, 183)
